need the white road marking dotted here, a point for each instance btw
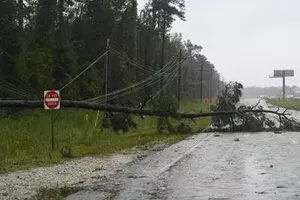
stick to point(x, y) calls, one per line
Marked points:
point(168, 166)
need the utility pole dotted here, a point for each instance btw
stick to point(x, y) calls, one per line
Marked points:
point(179, 79)
point(218, 87)
point(106, 69)
point(210, 84)
point(201, 83)
point(283, 87)
point(106, 80)
point(162, 62)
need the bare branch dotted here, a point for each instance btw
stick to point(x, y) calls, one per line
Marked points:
point(255, 104)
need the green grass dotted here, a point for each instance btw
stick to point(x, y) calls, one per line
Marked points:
point(25, 140)
point(293, 104)
point(194, 106)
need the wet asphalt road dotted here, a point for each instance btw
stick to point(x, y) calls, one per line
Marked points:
point(246, 166)
point(257, 166)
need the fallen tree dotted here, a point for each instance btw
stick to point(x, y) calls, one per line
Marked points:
point(246, 117)
point(110, 108)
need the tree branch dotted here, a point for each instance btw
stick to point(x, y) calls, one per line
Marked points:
point(255, 104)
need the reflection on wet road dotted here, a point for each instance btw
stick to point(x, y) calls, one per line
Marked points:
point(257, 166)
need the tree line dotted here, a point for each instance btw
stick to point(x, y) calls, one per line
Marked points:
point(45, 43)
point(272, 92)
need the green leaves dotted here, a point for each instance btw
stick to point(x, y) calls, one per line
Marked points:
point(227, 102)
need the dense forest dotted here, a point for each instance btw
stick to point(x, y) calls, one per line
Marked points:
point(44, 44)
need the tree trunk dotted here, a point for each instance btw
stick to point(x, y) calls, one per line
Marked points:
point(21, 15)
point(45, 23)
point(110, 108)
point(61, 22)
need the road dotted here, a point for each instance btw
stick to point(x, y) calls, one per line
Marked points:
point(213, 166)
point(232, 166)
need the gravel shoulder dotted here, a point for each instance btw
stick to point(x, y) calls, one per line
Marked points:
point(75, 173)
point(78, 173)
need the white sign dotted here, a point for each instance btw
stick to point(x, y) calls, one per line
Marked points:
point(51, 100)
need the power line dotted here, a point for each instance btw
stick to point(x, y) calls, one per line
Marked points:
point(140, 85)
point(169, 79)
point(167, 83)
point(86, 69)
point(13, 90)
point(133, 63)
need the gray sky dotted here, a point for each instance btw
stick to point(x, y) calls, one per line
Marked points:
point(246, 39)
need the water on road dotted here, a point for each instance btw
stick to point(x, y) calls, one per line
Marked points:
point(232, 166)
point(259, 166)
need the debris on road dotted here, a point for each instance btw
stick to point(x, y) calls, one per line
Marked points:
point(277, 132)
point(281, 186)
point(260, 192)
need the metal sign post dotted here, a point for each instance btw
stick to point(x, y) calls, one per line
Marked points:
point(283, 74)
point(52, 102)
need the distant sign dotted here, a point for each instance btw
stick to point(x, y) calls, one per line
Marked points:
point(51, 100)
point(282, 73)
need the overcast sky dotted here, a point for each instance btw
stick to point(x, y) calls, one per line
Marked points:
point(246, 39)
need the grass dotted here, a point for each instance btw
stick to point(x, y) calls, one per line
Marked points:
point(293, 104)
point(25, 140)
point(194, 106)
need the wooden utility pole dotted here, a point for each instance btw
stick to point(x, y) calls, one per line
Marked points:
point(179, 79)
point(219, 85)
point(283, 87)
point(201, 83)
point(106, 79)
point(162, 61)
point(210, 84)
point(106, 69)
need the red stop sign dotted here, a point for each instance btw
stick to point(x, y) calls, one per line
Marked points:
point(51, 100)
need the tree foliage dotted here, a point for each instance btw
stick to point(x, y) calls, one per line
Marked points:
point(227, 101)
point(247, 121)
point(45, 43)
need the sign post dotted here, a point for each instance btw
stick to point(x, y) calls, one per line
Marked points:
point(283, 74)
point(52, 102)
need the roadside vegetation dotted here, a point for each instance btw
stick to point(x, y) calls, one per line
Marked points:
point(293, 104)
point(25, 139)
